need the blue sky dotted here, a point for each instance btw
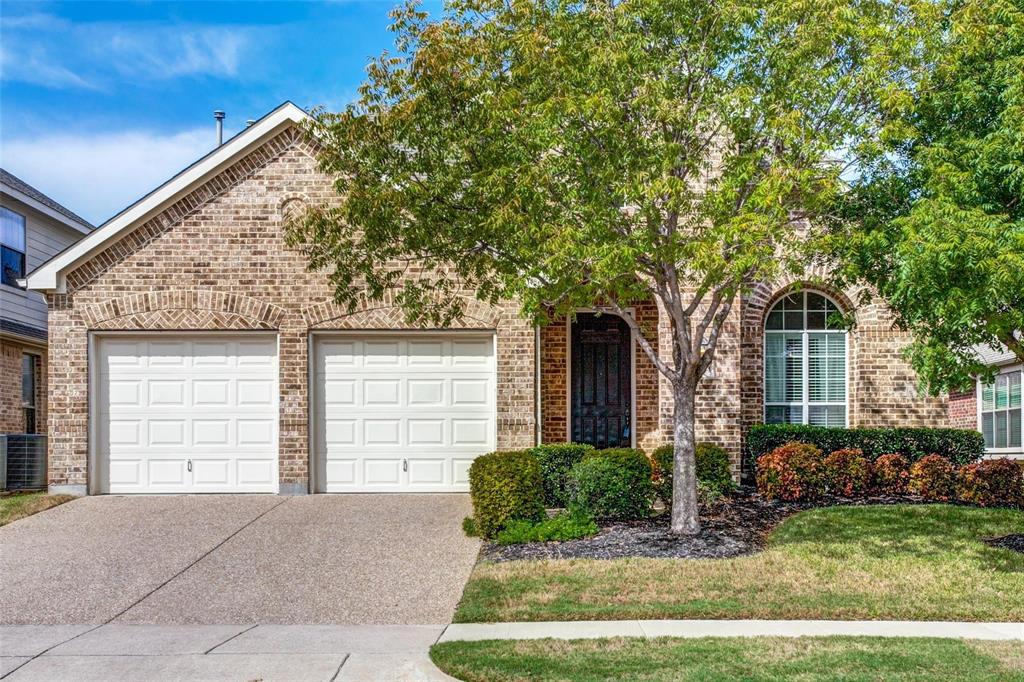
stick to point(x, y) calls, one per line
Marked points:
point(100, 102)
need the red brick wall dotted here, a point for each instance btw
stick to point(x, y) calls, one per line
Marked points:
point(554, 355)
point(12, 417)
point(963, 410)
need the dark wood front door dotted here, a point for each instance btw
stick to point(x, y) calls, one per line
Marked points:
point(601, 381)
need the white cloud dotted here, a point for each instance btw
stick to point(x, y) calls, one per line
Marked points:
point(98, 175)
point(31, 65)
point(53, 52)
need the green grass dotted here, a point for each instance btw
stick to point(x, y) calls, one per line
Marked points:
point(907, 562)
point(757, 659)
point(19, 505)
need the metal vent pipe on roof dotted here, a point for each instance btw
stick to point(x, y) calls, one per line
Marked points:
point(219, 116)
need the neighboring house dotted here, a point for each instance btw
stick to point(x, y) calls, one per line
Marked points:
point(998, 414)
point(197, 353)
point(33, 228)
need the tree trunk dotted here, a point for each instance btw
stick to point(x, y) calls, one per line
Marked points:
point(685, 519)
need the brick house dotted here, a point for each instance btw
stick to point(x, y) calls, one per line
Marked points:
point(192, 351)
point(33, 228)
point(998, 412)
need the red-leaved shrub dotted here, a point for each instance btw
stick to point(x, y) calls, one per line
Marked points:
point(892, 474)
point(847, 472)
point(992, 483)
point(790, 472)
point(933, 478)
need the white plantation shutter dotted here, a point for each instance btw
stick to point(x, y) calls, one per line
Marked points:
point(794, 381)
point(775, 368)
point(805, 371)
point(1001, 412)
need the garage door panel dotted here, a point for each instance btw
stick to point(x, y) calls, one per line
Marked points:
point(210, 401)
point(402, 412)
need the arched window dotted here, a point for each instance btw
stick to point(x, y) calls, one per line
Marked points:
point(805, 362)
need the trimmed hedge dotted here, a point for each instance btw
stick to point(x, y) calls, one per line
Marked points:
point(959, 446)
point(713, 469)
point(505, 487)
point(612, 484)
point(556, 460)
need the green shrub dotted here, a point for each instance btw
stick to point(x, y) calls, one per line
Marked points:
point(469, 527)
point(565, 526)
point(504, 487)
point(891, 474)
point(556, 460)
point(959, 446)
point(708, 495)
point(847, 472)
point(991, 483)
point(790, 472)
point(613, 484)
point(933, 478)
point(713, 469)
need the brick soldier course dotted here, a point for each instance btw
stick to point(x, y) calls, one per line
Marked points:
point(216, 260)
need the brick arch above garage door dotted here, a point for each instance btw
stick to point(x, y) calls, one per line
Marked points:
point(183, 309)
point(330, 315)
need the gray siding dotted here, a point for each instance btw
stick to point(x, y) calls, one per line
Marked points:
point(44, 238)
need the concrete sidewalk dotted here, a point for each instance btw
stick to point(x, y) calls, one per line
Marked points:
point(158, 653)
point(594, 629)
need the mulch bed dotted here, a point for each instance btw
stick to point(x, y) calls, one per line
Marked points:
point(733, 528)
point(1014, 542)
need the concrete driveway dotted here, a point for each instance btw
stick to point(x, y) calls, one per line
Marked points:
point(239, 559)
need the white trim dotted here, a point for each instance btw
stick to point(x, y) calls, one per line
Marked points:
point(568, 372)
point(1015, 452)
point(39, 206)
point(805, 350)
point(50, 275)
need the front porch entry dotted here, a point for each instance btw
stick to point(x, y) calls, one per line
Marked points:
point(601, 380)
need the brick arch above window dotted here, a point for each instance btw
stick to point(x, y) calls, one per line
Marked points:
point(183, 309)
point(765, 295)
point(292, 207)
point(330, 315)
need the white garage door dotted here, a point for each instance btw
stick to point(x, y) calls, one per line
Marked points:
point(187, 414)
point(402, 413)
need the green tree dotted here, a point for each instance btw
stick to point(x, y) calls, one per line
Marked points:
point(936, 224)
point(572, 154)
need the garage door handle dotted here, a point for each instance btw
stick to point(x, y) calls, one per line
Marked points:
point(190, 465)
point(405, 465)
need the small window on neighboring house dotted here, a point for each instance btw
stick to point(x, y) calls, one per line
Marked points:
point(1001, 412)
point(29, 367)
point(12, 243)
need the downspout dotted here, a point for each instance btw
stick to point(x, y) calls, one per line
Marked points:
point(537, 432)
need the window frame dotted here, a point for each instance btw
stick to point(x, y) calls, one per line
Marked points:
point(805, 404)
point(24, 253)
point(979, 411)
point(33, 406)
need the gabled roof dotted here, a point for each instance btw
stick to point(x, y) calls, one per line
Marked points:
point(50, 275)
point(29, 195)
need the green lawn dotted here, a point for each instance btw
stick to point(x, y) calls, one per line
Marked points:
point(758, 659)
point(906, 562)
point(19, 505)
